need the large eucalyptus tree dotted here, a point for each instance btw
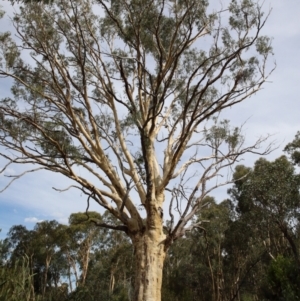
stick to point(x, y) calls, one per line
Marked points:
point(131, 92)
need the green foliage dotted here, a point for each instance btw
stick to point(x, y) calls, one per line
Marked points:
point(16, 281)
point(266, 204)
point(273, 186)
point(283, 279)
point(4, 250)
point(221, 133)
point(293, 149)
point(57, 141)
point(9, 49)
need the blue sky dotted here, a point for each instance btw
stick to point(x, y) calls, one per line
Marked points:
point(274, 110)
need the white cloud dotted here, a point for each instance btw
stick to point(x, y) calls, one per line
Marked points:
point(63, 220)
point(32, 220)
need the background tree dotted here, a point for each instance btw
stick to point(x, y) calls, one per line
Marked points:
point(269, 193)
point(131, 96)
point(111, 267)
point(293, 149)
point(84, 235)
point(46, 242)
point(39, 246)
point(47, 250)
point(194, 265)
point(3, 251)
point(21, 243)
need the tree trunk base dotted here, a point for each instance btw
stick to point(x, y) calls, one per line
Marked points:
point(150, 254)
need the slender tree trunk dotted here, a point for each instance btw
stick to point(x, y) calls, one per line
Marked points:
point(85, 262)
point(149, 259)
point(75, 272)
point(32, 294)
point(283, 227)
point(212, 278)
point(47, 264)
point(69, 276)
point(72, 265)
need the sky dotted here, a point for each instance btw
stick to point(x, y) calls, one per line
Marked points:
point(274, 110)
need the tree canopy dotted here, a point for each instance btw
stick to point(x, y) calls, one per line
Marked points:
point(130, 93)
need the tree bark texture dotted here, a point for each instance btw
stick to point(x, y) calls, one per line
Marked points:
point(149, 259)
